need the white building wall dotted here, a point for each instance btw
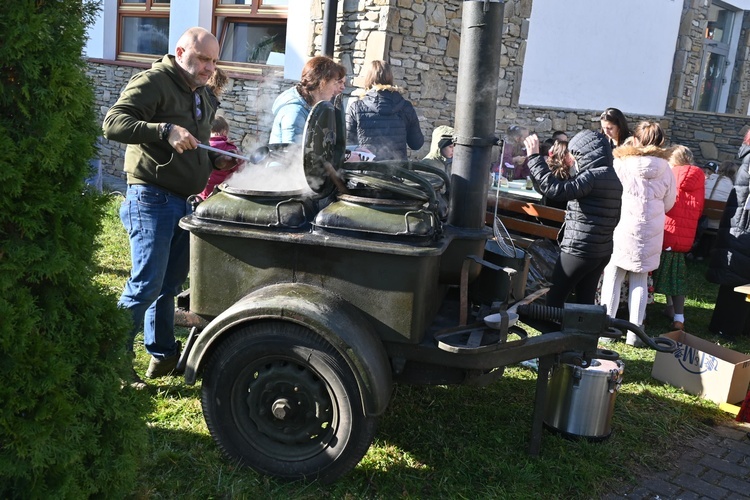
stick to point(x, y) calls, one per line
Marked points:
point(102, 40)
point(298, 28)
point(184, 14)
point(622, 57)
point(739, 4)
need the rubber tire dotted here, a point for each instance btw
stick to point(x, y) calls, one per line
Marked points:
point(285, 360)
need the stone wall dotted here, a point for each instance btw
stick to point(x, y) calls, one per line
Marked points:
point(419, 39)
point(688, 53)
point(709, 136)
point(109, 80)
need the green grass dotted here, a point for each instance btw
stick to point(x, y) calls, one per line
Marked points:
point(443, 441)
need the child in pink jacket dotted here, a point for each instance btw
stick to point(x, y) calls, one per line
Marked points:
point(218, 139)
point(648, 193)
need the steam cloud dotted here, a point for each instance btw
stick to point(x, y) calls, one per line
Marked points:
point(280, 171)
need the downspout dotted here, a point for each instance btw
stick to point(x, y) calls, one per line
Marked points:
point(329, 27)
point(476, 109)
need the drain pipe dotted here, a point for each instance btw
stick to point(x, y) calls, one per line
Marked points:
point(329, 27)
point(476, 109)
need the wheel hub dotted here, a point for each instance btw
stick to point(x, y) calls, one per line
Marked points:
point(281, 409)
point(288, 403)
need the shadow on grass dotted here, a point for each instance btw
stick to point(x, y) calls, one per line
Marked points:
point(115, 272)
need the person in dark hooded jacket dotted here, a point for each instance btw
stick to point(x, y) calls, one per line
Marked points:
point(382, 121)
point(730, 262)
point(593, 194)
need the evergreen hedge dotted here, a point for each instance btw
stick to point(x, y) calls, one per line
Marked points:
point(67, 429)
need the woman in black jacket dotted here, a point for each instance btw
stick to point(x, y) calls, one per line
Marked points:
point(730, 262)
point(593, 194)
point(383, 122)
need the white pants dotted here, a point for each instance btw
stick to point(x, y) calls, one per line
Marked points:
point(637, 296)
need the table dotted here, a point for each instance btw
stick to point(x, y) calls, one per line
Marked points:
point(516, 189)
point(744, 289)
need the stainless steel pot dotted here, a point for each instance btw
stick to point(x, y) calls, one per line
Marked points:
point(581, 401)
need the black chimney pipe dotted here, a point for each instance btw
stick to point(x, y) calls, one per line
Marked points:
point(476, 109)
point(329, 27)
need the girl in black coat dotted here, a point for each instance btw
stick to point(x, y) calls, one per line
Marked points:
point(383, 122)
point(593, 194)
point(730, 262)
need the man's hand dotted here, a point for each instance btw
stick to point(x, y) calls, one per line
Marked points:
point(181, 140)
point(532, 144)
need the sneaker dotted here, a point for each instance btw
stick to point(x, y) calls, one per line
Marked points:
point(678, 325)
point(162, 367)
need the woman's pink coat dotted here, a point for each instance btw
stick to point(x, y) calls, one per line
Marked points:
point(648, 192)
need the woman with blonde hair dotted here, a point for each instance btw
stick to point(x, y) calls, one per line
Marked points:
point(649, 192)
point(215, 86)
point(382, 121)
point(680, 225)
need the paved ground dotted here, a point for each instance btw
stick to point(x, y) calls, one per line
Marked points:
point(715, 466)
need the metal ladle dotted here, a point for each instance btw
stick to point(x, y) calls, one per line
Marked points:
point(258, 155)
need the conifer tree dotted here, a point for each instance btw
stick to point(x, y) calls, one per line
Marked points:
point(67, 429)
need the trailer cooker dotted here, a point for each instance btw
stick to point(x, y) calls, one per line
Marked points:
point(308, 305)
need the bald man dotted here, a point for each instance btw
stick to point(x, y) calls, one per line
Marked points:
point(162, 115)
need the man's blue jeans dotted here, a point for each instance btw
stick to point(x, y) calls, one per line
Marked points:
point(160, 254)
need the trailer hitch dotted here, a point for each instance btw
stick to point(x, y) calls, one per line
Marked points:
point(592, 319)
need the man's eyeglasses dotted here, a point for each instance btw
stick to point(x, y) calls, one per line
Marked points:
point(198, 112)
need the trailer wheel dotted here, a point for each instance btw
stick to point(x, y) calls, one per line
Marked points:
point(280, 399)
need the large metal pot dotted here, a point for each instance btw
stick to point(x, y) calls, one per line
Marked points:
point(581, 401)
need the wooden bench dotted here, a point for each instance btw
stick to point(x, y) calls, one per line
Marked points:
point(713, 210)
point(525, 221)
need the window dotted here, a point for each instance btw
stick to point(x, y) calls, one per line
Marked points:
point(143, 29)
point(716, 62)
point(251, 32)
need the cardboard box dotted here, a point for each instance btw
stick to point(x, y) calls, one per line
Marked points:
point(705, 369)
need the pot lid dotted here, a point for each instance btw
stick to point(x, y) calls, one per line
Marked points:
point(323, 145)
point(296, 193)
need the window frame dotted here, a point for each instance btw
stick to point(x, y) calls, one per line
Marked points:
point(728, 52)
point(159, 9)
point(254, 12)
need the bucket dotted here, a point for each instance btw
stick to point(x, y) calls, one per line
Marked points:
point(494, 285)
point(581, 401)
